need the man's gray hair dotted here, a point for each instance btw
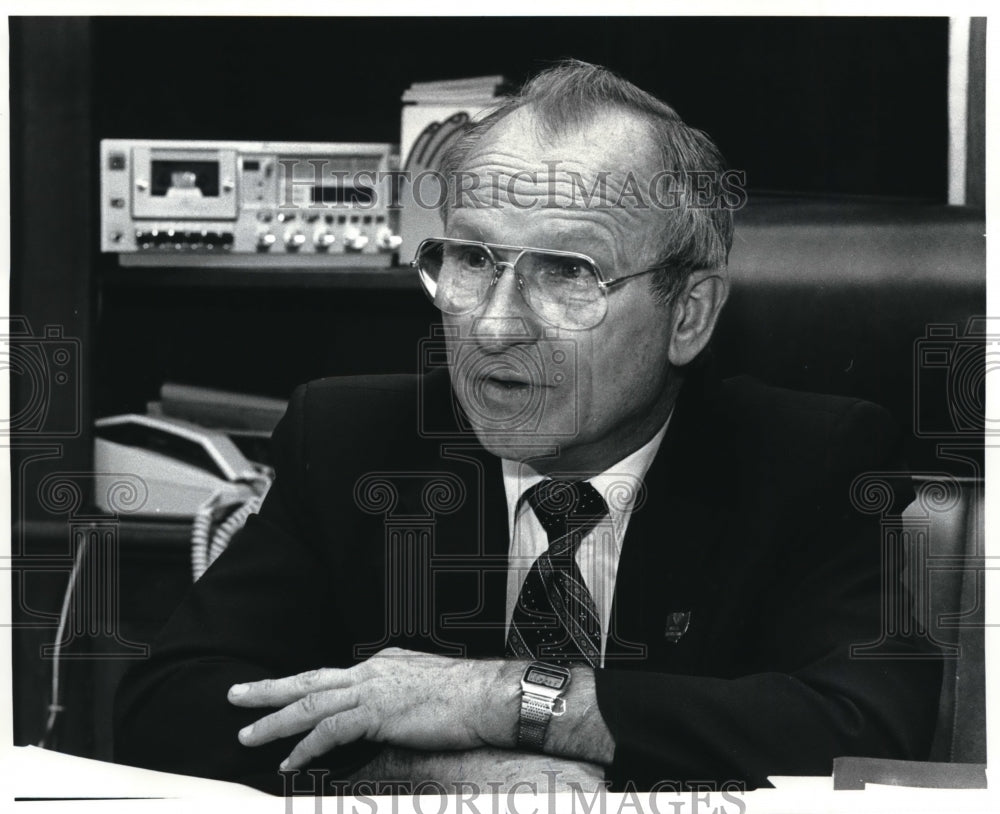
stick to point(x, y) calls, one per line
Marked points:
point(568, 96)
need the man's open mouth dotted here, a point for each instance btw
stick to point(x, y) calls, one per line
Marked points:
point(504, 392)
point(501, 390)
point(506, 381)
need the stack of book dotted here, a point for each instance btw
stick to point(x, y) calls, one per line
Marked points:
point(434, 116)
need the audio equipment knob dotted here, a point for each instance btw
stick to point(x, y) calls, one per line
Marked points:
point(265, 240)
point(324, 239)
point(386, 240)
point(353, 239)
point(294, 239)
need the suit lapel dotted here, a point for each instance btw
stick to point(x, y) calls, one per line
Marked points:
point(471, 556)
point(671, 543)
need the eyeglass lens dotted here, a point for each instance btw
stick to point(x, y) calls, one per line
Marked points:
point(562, 289)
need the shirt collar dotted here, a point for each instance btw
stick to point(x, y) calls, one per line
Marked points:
point(619, 484)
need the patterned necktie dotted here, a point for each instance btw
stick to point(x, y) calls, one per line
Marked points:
point(555, 619)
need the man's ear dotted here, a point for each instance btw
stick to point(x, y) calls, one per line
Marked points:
point(694, 312)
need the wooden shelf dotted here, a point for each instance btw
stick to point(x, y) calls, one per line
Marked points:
point(358, 278)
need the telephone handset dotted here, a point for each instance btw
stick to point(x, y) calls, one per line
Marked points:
point(188, 472)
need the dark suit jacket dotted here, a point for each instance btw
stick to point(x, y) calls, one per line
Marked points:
point(387, 525)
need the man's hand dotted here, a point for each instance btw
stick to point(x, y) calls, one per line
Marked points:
point(398, 696)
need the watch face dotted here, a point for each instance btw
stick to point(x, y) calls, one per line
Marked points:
point(545, 678)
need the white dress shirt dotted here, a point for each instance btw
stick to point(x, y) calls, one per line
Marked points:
point(600, 551)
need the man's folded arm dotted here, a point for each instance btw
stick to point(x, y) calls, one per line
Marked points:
point(253, 618)
point(487, 769)
point(669, 727)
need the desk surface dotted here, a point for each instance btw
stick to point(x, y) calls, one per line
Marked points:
point(41, 774)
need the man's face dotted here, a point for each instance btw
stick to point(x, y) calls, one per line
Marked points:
point(528, 387)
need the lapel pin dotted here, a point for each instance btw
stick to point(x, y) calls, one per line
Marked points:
point(677, 625)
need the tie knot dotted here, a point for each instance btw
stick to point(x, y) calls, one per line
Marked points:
point(566, 506)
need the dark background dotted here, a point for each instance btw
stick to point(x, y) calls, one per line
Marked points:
point(831, 105)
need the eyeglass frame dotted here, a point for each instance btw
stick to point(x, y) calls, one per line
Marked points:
point(499, 266)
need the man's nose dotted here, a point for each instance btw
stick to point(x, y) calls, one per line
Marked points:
point(506, 318)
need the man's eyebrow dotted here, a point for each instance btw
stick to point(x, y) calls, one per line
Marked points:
point(466, 231)
point(566, 238)
point(578, 240)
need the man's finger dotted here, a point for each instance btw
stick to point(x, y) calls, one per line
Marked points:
point(303, 714)
point(329, 733)
point(279, 692)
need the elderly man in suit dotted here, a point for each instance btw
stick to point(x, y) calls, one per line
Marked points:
point(578, 552)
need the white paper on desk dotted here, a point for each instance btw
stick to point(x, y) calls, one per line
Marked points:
point(786, 782)
point(878, 798)
point(44, 774)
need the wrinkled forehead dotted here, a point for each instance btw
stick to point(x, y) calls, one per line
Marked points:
point(585, 164)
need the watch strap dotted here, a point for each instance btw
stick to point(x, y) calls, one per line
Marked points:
point(536, 712)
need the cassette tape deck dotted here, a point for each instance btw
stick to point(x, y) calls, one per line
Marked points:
point(239, 203)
